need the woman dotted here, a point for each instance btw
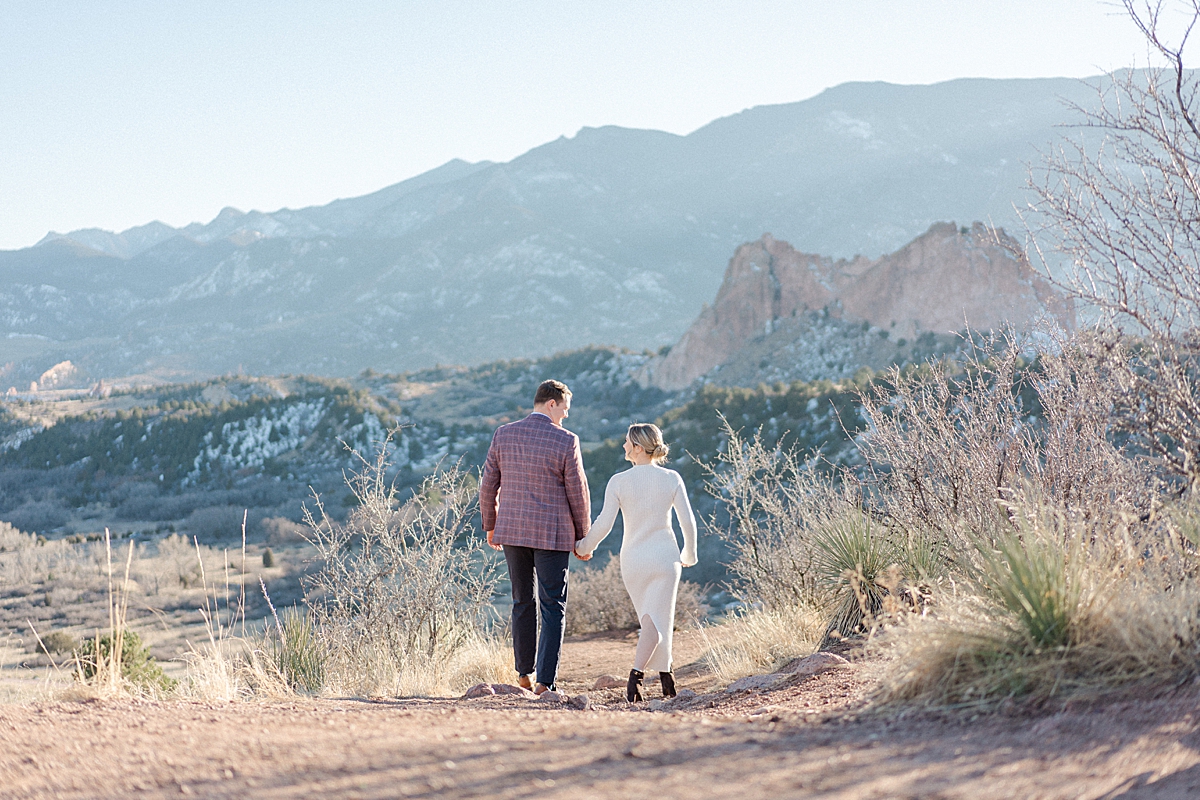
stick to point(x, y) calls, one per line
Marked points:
point(650, 556)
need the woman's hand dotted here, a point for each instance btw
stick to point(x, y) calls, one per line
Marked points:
point(582, 557)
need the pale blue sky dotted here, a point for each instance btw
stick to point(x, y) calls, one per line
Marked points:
point(113, 114)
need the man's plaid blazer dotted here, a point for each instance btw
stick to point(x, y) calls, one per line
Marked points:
point(534, 492)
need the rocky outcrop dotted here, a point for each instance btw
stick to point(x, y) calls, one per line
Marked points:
point(944, 280)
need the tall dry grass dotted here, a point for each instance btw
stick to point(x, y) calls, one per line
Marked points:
point(1054, 612)
point(234, 662)
point(113, 663)
point(760, 640)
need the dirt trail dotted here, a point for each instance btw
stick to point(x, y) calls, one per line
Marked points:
point(809, 740)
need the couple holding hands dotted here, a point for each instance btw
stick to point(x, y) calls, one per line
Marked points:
point(536, 508)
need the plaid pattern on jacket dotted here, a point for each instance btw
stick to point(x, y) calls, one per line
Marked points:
point(534, 492)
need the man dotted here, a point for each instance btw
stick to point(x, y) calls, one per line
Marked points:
point(535, 506)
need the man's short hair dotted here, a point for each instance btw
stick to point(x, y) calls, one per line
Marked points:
point(551, 390)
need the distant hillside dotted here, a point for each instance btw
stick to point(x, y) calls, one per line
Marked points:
point(796, 316)
point(614, 236)
point(161, 455)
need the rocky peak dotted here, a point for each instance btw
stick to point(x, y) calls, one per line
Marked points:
point(944, 280)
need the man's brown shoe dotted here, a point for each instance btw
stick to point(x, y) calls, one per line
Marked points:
point(524, 682)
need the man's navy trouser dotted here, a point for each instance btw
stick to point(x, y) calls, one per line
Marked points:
point(551, 569)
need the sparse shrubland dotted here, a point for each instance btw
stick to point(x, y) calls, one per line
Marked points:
point(402, 596)
point(1043, 550)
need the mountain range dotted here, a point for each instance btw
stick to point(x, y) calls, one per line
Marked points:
point(613, 236)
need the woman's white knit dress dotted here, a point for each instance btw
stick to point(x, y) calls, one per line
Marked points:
point(650, 555)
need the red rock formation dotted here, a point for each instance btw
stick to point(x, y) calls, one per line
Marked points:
point(944, 280)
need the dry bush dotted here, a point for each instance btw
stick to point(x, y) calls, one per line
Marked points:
point(281, 530)
point(1063, 578)
point(773, 500)
point(760, 640)
point(802, 539)
point(691, 608)
point(29, 559)
point(599, 602)
point(1116, 216)
point(215, 522)
point(402, 595)
point(948, 442)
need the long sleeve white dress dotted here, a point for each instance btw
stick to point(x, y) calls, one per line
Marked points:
point(650, 556)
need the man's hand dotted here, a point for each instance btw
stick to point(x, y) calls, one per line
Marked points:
point(491, 543)
point(582, 557)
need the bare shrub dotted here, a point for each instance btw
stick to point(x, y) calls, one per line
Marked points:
point(1120, 204)
point(179, 561)
point(949, 443)
point(599, 601)
point(215, 522)
point(281, 530)
point(691, 609)
point(403, 589)
point(56, 643)
point(773, 500)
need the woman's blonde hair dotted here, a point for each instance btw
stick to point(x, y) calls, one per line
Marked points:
point(649, 438)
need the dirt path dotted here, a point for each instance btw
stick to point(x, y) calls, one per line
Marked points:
point(809, 740)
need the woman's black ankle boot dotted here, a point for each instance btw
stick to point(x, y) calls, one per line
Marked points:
point(668, 684)
point(633, 690)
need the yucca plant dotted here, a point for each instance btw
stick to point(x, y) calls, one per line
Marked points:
point(854, 556)
point(296, 652)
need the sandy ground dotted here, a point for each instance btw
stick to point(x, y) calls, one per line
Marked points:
point(812, 739)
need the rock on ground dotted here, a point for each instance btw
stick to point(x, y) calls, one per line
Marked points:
point(608, 682)
point(814, 664)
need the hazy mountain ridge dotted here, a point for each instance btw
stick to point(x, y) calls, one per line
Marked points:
point(613, 236)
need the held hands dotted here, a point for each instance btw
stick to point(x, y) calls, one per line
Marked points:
point(582, 557)
point(491, 543)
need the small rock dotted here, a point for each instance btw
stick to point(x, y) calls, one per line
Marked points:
point(684, 696)
point(814, 664)
point(480, 690)
point(508, 688)
point(756, 683)
point(608, 682)
point(580, 702)
point(551, 696)
point(656, 704)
